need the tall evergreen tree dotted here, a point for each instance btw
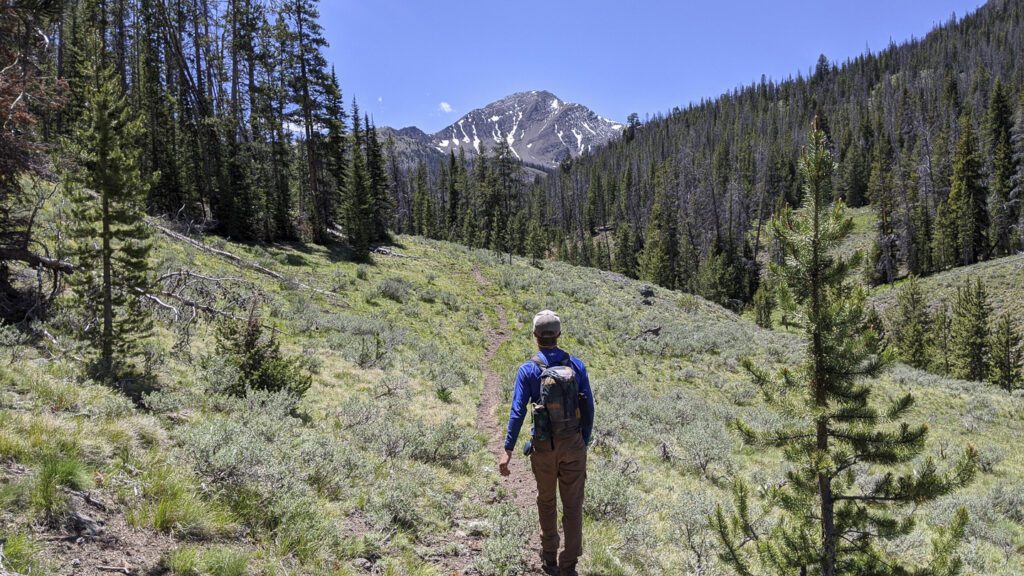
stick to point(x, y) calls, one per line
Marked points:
point(624, 261)
point(332, 205)
point(910, 326)
point(844, 486)
point(1017, 183)
point(971, 313)
point(423, 210)
point(883, 198)
point(657, 262)
point(1007, 370)
point(380, 185)
point(309, 89)
point(358, 199)
point(110, 237)
point(942, 342)
point(1005, 210)
point(968, 198)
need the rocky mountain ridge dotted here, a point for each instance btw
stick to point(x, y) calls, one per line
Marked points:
point(540, 128)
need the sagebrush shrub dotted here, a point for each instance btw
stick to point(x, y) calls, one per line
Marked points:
point(503, 553)
point(609, 492)
point(395, 289)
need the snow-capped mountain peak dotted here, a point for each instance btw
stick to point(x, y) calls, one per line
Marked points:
point(539, 128)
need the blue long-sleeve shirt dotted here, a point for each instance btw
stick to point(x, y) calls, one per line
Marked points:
point(527, 391)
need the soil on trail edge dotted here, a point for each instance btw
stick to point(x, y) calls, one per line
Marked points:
point(520, 483)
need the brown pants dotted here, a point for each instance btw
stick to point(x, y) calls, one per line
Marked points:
point(565, 465)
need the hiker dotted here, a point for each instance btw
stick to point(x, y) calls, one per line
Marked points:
point(556, 386)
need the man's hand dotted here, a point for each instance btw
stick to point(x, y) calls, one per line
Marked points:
point(503, 463)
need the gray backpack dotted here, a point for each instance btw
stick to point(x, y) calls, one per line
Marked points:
point(557, 415)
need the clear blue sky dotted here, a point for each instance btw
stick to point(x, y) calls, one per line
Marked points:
point(427, 62)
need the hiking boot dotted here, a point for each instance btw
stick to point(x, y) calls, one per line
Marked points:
point(570, 571)
point(549, 568)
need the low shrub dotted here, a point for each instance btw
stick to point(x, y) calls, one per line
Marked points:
point(393, 503)
point(609, 492)
point(503, 553)
point(394, 289)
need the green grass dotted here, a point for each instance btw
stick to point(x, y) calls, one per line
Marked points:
point(170, 503)
point(19, 553)
point(57, 472)
point(1003, 279)
point(215, 561)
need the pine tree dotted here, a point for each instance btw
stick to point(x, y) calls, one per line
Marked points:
point(968, 198)
point(911, 325)
point(624, 261)
point(309, 89)
point(764, 305)
point(880, 190)
point(946, 240)
point(1004, 217)
point(845, 484)
point(942, 343)
point(661, 245)
point(358, 203)
point(971, 313)
point(110, 237)
point(535, 244)
point(921, 262)
point(423, 213)
point(1007, 369)
point(332, 205)
point(1017, 183)
point(379, 182)
point(712, 281)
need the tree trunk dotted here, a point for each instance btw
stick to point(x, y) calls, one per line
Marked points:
point(107, 337)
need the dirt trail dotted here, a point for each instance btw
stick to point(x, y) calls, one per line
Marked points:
point(519, 484)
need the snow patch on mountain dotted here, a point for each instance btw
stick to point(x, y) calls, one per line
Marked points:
point(539, 128)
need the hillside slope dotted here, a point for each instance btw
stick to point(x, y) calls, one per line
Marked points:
point(1003, 278)
point(382, 466)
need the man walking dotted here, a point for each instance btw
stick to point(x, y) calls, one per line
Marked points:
point(556, 386)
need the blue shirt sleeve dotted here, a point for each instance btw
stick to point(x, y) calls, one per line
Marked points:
point(587, 424)
point(517, 415)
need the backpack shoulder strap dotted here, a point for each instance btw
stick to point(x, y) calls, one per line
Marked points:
point(539, 361)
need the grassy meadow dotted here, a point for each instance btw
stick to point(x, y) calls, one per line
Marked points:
point(380, 467)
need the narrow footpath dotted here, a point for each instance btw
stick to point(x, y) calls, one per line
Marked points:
point(519, 484)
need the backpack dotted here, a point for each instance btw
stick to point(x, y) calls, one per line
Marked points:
point(557, 415)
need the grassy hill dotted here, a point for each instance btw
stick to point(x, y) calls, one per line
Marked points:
point(383, 466)
point(1003, 278)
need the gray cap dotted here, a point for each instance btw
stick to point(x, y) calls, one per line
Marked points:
point(547, 324)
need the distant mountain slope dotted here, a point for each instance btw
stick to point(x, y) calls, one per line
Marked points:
point(540, 128)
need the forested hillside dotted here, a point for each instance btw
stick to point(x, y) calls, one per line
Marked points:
point(245, 131)
point(930, 133)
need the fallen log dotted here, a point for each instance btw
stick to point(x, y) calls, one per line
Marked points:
point(35, 260)
point(242, 262)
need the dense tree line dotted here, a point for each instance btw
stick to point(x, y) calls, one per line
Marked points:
point(245, 128)
point(963, 339)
